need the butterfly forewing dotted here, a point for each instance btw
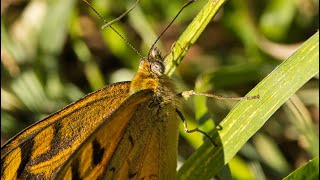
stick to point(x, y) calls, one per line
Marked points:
point(40, 150)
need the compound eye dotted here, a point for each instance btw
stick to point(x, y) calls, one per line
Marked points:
point(157, 68)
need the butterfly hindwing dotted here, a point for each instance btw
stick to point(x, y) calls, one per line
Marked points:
point(43, 147)
point(152, 151)
point(139, 152)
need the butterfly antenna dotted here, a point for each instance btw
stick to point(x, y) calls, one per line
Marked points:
point(113, 21)
point(184, 6)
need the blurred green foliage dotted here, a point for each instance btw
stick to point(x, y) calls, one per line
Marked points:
point(53, 52)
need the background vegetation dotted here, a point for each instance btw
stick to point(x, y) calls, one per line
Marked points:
point(53, 53)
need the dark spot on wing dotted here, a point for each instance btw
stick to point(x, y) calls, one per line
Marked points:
point(131, 140)
point(132, 175)
point(98, 152)
point(56, 140)
point(75, 170)
point(26, 149)
point(152, 176)
point(56, 128)
point(113, 169)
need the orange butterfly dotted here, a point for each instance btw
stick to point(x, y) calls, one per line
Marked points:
point(126, 130)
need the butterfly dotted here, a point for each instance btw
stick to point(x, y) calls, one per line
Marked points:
point(126, 130)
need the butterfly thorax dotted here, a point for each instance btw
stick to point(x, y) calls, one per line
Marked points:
point(151, 76)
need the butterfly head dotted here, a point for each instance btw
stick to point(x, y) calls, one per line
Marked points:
point(155, 62)
point(153, 65)
point(151, 71)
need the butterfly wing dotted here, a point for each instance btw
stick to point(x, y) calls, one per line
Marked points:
point(152, 151)
point(43, 147)
point(147, 149)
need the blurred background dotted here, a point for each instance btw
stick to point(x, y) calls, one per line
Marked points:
point(53, 52)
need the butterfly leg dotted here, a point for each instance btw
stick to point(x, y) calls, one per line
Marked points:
point(187, 130)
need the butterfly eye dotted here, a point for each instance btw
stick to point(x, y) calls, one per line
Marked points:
point(157, 68)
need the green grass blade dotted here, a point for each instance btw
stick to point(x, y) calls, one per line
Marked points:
point(249, 116)
point(309, 171)
point(191, 34)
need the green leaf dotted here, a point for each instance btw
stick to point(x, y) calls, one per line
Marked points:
point(191, 34)
point(249, 116)
point(277, 18)
point(309, 171)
